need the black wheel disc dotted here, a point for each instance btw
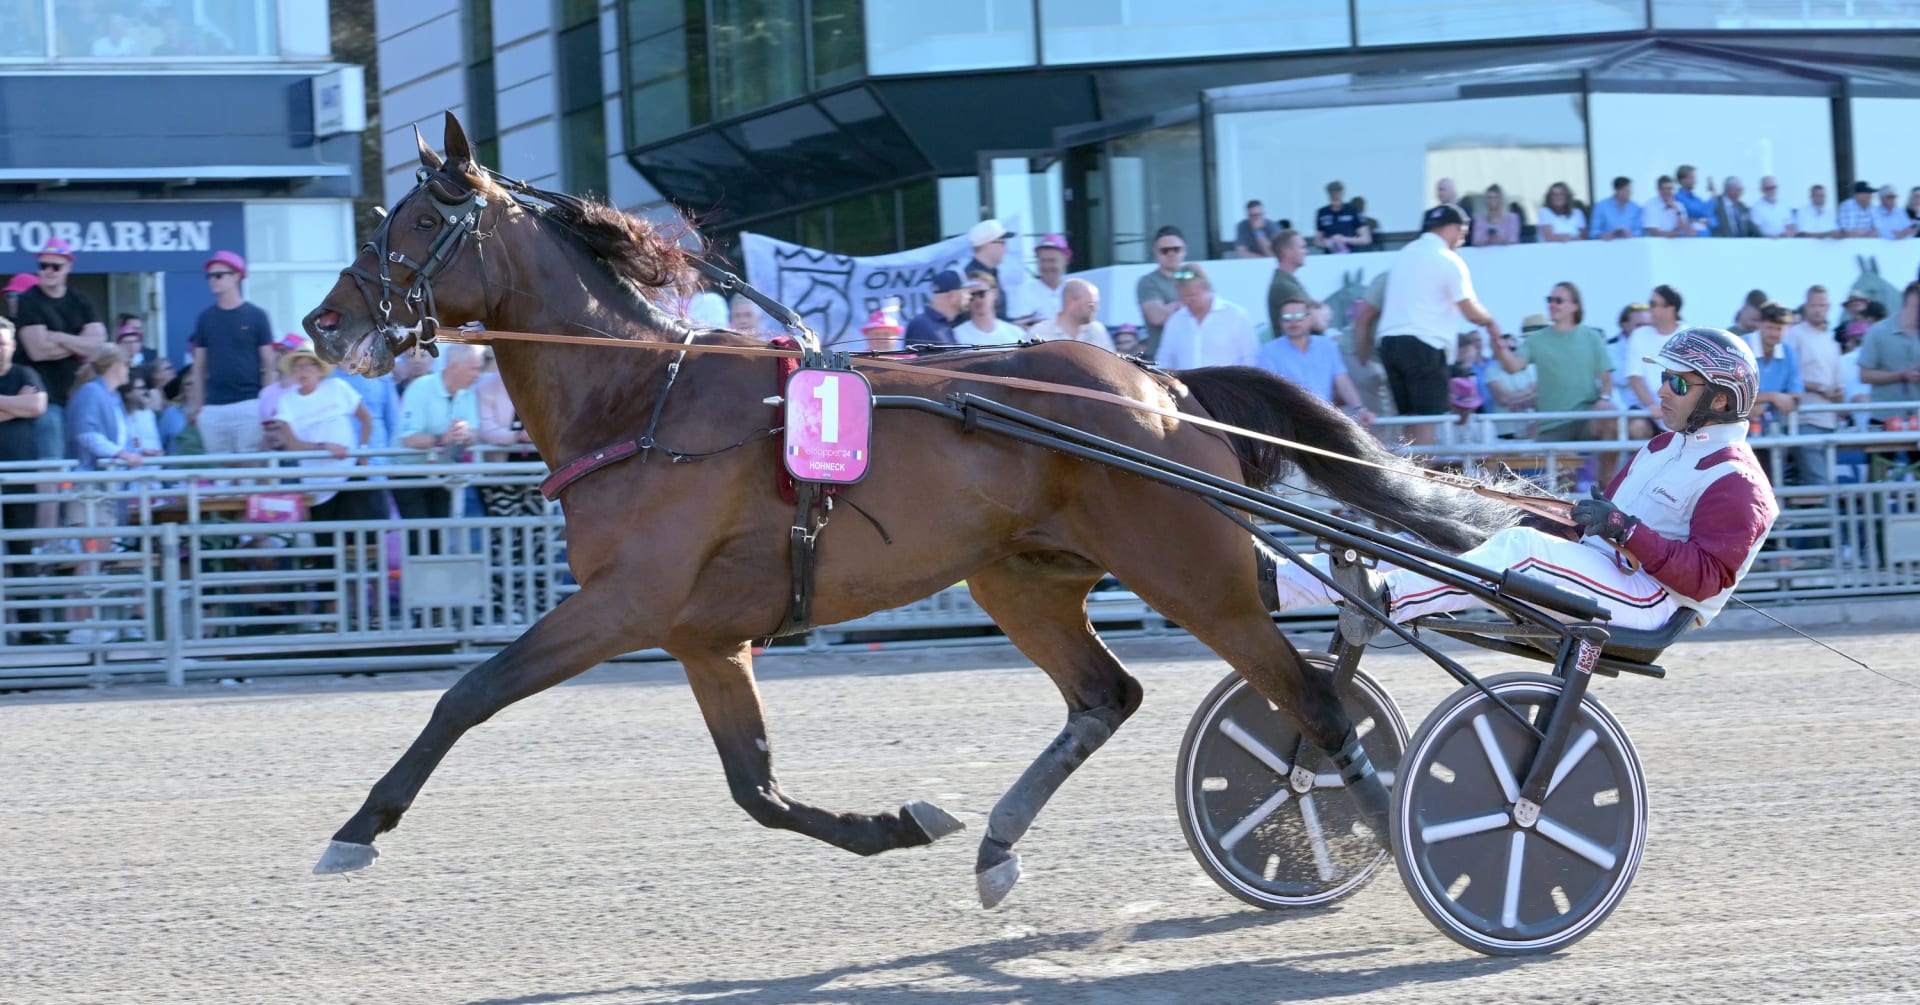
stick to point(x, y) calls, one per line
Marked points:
point(1269, 821)
point(1506, 886)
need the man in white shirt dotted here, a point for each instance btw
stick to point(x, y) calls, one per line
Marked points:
point(1816, 218)
point(1205, 330)
point(1079, 302)
point(1040, 301)
point(1643, 379)
point(1812, 342)
point(1663, 216)
point(1428, 294)
point(1890, 219)
point(1771, 216)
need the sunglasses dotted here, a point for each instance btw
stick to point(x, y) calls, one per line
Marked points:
point(977, 295)
point(1170, 250)
point(221, 274)
point(1680, 383)
point(1558, 300)
point(1294, 316)
point(52, 266)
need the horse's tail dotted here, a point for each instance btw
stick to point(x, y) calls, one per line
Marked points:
point(1447, 517)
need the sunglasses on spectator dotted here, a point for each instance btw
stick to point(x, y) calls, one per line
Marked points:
point(221, 274)
point(52, 266)
point(1169, 249)
point(1294, 316)
point(1679, 383)
point(1184, 274)
point(1559, 300)
point(977, 295)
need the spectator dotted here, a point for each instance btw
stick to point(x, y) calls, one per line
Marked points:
point(1664, 215)
point(1255, 237)
point(439, 414)
point(143, 423)
point(1155, 291)
point(1631, 318)
point(1041, 300)
point(1813, 343)
point(1619, 216)
point(1560, 218)
point(1890, 354)
point(744, 315)
point(1856, 214)
point(1816, 218)
point(409, 366)
point(989, 240)
point(20, 283)
point(1913, 206)
point(22, 401)
point(58, 327)
point(1868, 315)
point(233, 360)
point(1362, 238)
point(269, 400)
point(1746, 317)
point(1369, 376)
point(1337, 223)
point(1855, 389)
point(1575, 372)
point(317, 414)
point(934, 326)
point(1444, 194)
point(382, 401)
point(1421, 320)
point(1771, 217)
point(1514, 391)
point(1663, 309)
point(1313, 363)
point(882, 332)
point(1851, 309)
point(1780, 384)
point(1499, 224)
point(1889, 219)
point(1079, 302)
point(500, 426)
point(130, 334)
point(100, 431)
point(1206, 330)
point(983, 325)
point(1732, 217)
point(1126, 339)
point(1699, 220)
point(174, 437)
point(1290, 249)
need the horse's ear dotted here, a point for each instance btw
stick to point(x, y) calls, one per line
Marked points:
point(428, 159)
point(1873, 262)
point(459, 151)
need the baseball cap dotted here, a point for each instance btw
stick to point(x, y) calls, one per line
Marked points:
point(58, 248)
point(949, 280)
point(1862, 186)
point(293, 342)
point(22, 282)
point(886, 319)
point(1054, 241)
point(987, 232)
point(1444, 214)
point(227, 258)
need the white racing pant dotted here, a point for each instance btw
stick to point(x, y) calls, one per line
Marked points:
point(1636, 599)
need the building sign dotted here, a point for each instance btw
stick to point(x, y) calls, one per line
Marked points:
point(340, 102)
point(122, 237)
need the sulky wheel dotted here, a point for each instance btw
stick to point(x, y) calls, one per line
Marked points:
point(1505, 886)
point(1255, 804)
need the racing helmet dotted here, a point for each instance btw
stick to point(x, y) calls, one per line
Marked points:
point(1725, 360)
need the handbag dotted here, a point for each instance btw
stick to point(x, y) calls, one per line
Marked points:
point(277, 507)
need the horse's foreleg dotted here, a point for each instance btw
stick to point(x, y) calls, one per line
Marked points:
point(722, 681)
point(1040, 602)
point(575, 636)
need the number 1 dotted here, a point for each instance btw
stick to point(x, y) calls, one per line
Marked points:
point(828, 391)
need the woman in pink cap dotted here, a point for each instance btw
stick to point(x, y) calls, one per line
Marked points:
point(233, 360)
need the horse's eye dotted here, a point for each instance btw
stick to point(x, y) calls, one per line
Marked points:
point(426, 221)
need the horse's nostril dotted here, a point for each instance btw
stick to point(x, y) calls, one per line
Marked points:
point(327, 321)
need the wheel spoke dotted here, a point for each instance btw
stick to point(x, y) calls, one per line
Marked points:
point(1260, 751)
point(1571, 758)
point(1436, 833)
point(1510, 902)
point(1575, 843)
point(1318, 839)
point(1496, 759)
point(1259, 815)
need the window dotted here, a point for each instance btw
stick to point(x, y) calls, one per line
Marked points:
point(666, 68)
point(1408, 22)
point(23, 29)
point(1885, 150)
point(1101, 31)
point(290, 232)
point(757, 58)
point(839, 42)
point(1392, 155)
point(583, 127)
point(919, 214)
point(482, 120)
point(1155, 181)
point(1643, 136)
point(959, 204)
point(1784, 15)
point(163, 28)
point(916, 36)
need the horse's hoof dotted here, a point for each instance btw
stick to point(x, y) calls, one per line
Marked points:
point(345, 856)
point(933, 821)
point(997, 882)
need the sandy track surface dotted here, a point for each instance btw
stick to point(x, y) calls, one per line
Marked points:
point(582, 848)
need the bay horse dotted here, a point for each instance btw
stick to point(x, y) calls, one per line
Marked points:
point(693, 558)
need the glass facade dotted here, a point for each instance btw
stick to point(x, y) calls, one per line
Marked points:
point(583, 121)
point(916, 36)
point(1105, 31)
point(1392, 156)
point(1886, 147)
point(152, 29)
point(755, 59)
point(483, 118)
point(665, 63)
point(1155, 179)
point(1644, 136)
point(1785, 15)
point(839, 42)
point(1414, 22)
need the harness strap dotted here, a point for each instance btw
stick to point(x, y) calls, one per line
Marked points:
point(554, 484)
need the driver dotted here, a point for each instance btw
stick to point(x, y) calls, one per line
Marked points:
point(1691, 508)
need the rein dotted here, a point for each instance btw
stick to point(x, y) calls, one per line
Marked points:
point(1557, 510)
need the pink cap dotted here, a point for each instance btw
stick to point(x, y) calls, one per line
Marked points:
point(60, 248)
point(22, 282)
point(1464, 393)
point(291, 340)
point(227, 258)
point(1054, 241)
point(885, 319)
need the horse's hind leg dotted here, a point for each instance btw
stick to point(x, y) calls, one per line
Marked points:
point(722, 680)
point(1040, 602)
point(571, 638)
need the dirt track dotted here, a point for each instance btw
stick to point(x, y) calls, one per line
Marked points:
point(582, 848)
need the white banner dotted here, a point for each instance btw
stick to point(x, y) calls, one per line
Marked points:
point(836, 294)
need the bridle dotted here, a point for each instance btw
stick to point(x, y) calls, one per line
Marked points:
point(460, 216)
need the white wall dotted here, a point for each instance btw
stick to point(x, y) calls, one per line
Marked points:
point(1712, 275)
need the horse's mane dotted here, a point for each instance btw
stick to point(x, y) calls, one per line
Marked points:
point(633, 249)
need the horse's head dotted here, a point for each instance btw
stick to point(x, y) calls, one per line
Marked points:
point(423, 263)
